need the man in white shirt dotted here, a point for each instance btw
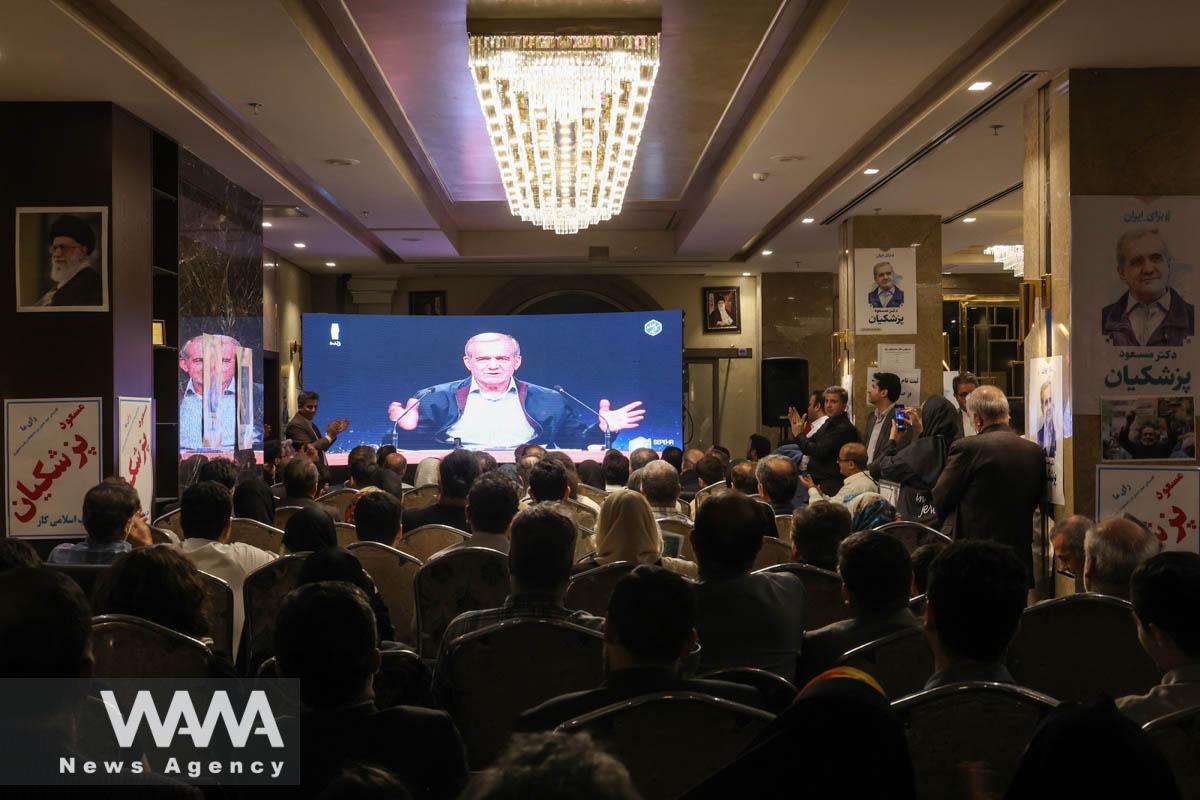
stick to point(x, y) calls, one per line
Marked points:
point(1151, 313)
point(205, 511)
point(852, 463)
point(815, 418)
point(964, 383)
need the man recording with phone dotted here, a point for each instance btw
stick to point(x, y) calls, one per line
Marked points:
point(882, 394)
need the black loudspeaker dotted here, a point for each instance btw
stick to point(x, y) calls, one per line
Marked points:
point(784, 383)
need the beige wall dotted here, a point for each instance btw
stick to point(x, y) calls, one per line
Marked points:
point(293, 297)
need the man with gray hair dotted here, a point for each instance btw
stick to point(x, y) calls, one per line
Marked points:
point(1112, 550)
point(777, 478)
point(491, 409)
point(1150, 313)
point(992, 482)
point(660, 487)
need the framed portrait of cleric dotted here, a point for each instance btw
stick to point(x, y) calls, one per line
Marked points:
point(62, 258)
point(722, 306)
point(427, 304)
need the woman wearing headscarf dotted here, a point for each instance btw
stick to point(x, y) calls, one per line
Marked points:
point(917, 467)
point(627, 531)
point(252, 499)
point(427, 472)
point(308, 530)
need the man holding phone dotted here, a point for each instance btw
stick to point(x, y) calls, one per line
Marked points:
point(882, 395)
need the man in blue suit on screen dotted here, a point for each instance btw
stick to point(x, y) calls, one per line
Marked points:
point(886, 293)
point(493, 410)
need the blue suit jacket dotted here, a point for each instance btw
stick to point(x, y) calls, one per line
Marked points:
point(896, 301)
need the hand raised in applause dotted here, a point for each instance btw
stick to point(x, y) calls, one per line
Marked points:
point(797, 421)
point(336, 427)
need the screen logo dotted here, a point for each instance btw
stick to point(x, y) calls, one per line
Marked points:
point(653, 328)
point(335, 332)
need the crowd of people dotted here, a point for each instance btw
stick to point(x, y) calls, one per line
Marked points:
point(679, 619)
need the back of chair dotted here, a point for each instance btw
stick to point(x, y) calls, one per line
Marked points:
point(823, 601)
point(671, 741)
point(393, 572)
point(130, 647)
point(776, 691)
point(88, 576)
point(164, 536)
point(170, 521)
point(583, 515)
point(684, 507)
point(347, 533)
point(1081, 647)
point(913, 534)
point(263, 591)
point(712, 490)
point(589, 591)
point(422, 497)
point(283, 514)
point(218, 599)
point(464, 579)
point(676, 525)
point(1177, 737)
point(591, 493)
point(585, 542)
point(256, 534)
point(426, 540)
point(339, 499)
point(901, 662)
point(783, 528)
point(403, 679)
point(771, 553)
point(989, 723)
point(498, 672)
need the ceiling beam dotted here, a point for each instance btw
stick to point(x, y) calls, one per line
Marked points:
point(120, 34)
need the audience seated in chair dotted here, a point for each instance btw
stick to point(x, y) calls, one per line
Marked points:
point(744, 619)
point(205, 511)
point(17, 553)
point(1067, 539)
point(252, 499)
point(551, 766)
point(219, 470)
point(641, 457)
point(856, 481)
point(591, 473)
point(491, 505)
point(674, 457)
point(660, 487)
point(876, 576)
point(689, 479)
point(309, 530)
point(1166, 594)
point(325, 638)
point(742, 477)
point(920, 560)
point(710, 470)
point(616, 470)
point(456, 472)
point(975, 597)
point(563, 459)
point(377, 519)
point(817, 531)
point(336, 564)
point(548, 482)
point(301, 480)
point(627, 531)
point(114, 525)
point(777, 480)
point(649, 629)
point(392, 461)
point(1113, 549)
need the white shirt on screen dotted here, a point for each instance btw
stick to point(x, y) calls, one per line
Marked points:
point(191, 413)
point(488, 421)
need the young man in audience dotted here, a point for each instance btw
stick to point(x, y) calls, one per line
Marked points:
point(777, 477)
point(759, 447)
point(674, 457)
point(114, 526)
point(272, 463)
point(219, 470)
point(395, 463)
point(548, 482)
point(921, 558)
point(1112, 550)
point(974, 601)
point(562, 458)
point(377, 519)
point(1067, 540)
point(660, 487)
point(689, 479)
point(876, 575)
point(491, 505)
point(205, 511)
point(649, 630)
point(550, 766)
point(616, 470)
point(852, 463)
point(1166, 593)
point(709, 470)
point(456, 472)
point(641, 457)
point(744, 619)
point(301, 480)
point(818, 530)
point(325, 637)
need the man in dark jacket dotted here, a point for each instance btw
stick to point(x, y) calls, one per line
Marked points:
point(823, 446)
point(993, 481)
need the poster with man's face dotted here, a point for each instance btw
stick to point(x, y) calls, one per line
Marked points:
point(1044, 418)
point(1133, 295)
point(1147, 428)
point(885, 290)
point(61, 259)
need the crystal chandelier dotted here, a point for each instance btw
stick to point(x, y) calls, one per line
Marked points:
point(1012, 256)
point(564, 115)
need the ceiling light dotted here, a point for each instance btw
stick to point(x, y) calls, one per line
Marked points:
point(791, 298)
point(342, 162)
point(979, 86)
point(808, 221)
point(266, 224)
point(301, 245)
point(745, 274)
point(870, 171)
point(968, 219)
point(767, 252)
point(330, 264)
point(565, 115)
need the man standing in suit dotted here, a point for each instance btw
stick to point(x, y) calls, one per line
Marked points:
point(303, 430)
point(1150, 313)
point(886, 293)
point(882, 394)
point(823, 446)
point(992, 482)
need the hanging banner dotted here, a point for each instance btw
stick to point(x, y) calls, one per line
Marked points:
point(1044, 418)
point(1164, 499)
point(52, 457)
point(135, 431)
point(1133, 292)
point(885, 290)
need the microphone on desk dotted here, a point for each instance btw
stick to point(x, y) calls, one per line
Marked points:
point(419, 396)
point(607, 433)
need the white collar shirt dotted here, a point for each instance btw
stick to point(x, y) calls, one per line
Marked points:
point(1146, 317)
point(492, 421)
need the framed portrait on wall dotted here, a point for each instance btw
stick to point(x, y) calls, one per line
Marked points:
point(427, 304)
point(722, 308)
point(61, 258)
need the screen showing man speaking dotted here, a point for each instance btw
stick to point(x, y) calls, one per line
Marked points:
point(429, 383)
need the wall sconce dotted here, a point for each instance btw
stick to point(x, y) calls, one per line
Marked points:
point(839, 345)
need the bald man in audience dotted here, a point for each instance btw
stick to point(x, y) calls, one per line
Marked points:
point(1067, 540)
point(1112, 550)
point(660, 487)
point(852, 463)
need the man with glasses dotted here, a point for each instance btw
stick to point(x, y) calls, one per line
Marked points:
point(964, 384)
point(77, 282)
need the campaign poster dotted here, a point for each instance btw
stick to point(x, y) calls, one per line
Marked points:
point(1163, 499)
point(1147, 428)
point(1044, 418)
point(135, 434)
point(1133, 295)
point(885, 290)
point(52, 457)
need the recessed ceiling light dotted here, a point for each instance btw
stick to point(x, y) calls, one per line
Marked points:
point(870, 171)
point(979, 86)
point(968, 219)
point(786, 158)
point(266, 224)
point(807, 221)
point(301, 245)
point(745, 274)
point(342, 162)
point(330, 264)
point(915, 244)
point(410, 238)
point(767, 252)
